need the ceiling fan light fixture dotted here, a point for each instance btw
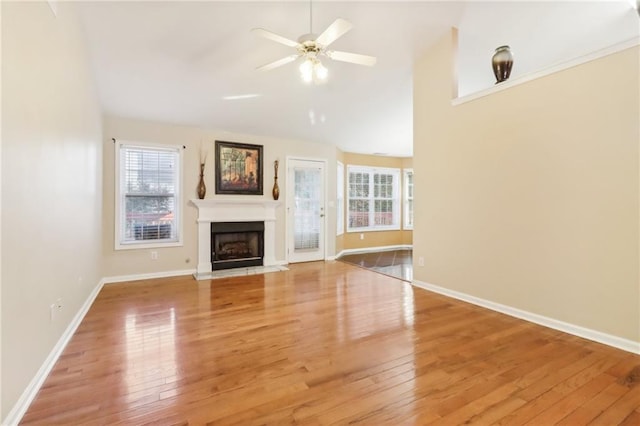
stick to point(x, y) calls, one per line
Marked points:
point(312, 70)
point(321, 71)
point(306, 70)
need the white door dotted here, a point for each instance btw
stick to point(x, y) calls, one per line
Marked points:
point(305, 210)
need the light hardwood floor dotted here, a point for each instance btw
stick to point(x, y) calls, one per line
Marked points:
point(320, 344)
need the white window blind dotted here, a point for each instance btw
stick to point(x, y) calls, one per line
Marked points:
point(408, 199)
point(340, 200)
point(373, 198)
point(148, 199)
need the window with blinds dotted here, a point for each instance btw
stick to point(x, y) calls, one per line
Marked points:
point(373, 198)
point(408, 199)
point(148, 196)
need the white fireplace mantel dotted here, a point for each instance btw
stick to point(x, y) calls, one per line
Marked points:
point(231, 210)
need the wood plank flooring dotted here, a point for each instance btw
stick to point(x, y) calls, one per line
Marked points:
point(324, 343)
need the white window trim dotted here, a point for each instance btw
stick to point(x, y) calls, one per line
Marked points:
point(397, 198)
point(118, 198)
point(340, 197)
point(405, 199)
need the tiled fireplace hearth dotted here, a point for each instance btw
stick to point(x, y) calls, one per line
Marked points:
point(233, 211)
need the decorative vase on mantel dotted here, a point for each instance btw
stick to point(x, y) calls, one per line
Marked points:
point(276, 190)
point(202, 188)
point(501, 62)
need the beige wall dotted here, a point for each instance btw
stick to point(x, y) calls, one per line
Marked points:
point(351, 240)
point(529, 196)
point(119, 263)
point(340, 238)
point(51, 185)
point(407, 235)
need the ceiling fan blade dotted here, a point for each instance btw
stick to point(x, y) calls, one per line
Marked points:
point(275, 37)
point(278, 63)
point(335, 31)
point(353, 58)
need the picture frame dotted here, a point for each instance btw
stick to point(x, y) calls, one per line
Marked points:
point(239, 168)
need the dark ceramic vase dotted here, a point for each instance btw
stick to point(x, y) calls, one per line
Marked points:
point(276, 189)
point(202, 188)
point(501, 62)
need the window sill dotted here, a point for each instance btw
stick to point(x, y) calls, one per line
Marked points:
point(361, 230)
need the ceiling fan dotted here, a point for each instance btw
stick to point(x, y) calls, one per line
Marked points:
point(311, 47)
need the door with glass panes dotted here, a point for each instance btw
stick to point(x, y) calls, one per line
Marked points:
point(306, 216)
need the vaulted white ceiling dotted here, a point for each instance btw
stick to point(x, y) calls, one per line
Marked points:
point(175, 62)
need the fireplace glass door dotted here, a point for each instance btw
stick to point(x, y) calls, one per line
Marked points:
point(236, 244)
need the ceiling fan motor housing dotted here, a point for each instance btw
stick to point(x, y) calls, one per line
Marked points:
point(308, 46)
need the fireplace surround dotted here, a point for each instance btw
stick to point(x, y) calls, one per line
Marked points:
point(219, 209)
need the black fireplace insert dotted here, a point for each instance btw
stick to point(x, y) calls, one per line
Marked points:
point(236, 244)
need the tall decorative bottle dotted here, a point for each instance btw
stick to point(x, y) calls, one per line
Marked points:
point(276, 189)
point(202, 188)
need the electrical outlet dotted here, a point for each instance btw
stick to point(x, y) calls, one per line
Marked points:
point(362, 236)
point(154, 255)
point(421, 261)
point(59, 304)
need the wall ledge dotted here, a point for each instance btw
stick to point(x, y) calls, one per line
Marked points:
point(576, 330)
point(371, 250)
point(628, 44)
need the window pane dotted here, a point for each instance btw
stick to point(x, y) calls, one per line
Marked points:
point(383, 212)
point(149, 172)
point(358, 213)
point(149, 217)
point(149, 184)
point(374, 198)
point(408, 201)
point(307, 218)
point(383, 186)
point(358, 185)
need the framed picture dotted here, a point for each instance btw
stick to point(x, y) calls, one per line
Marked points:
point(238, 168)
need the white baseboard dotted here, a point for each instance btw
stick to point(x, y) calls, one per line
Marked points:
point(151, 275)
point(21, 406)
point(576, 330)
point(30, 392)
point(372, 250)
